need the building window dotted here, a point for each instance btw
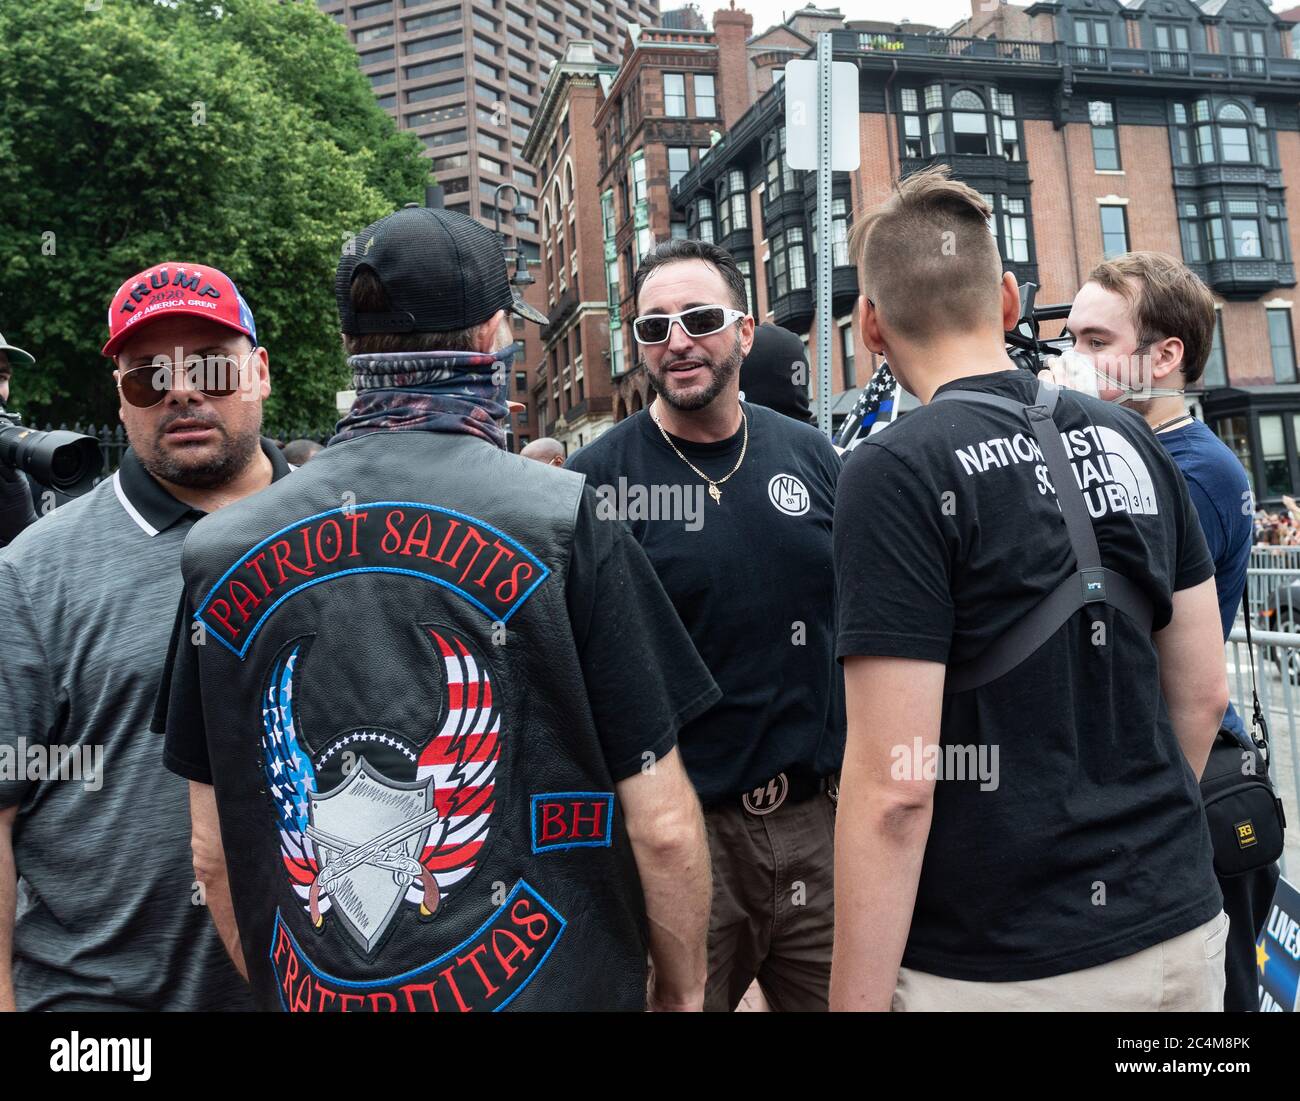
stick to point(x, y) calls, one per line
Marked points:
point(1281, 346)
point(1243, 218)
point(839, 234)
point(970, 132)
point(1190, 232)
point(1234, 134)
point(706, 102)
point(789, 267)
point(1216, 366)
point(608, 224)
point(704, 218)
point(964, 124)
point(1169, 37)
point(638, 178)
point(747, 270)
point(1272, 446)
point(371, 34)
point(1214, 234)
point(447, 137)
point(679, 163)
point(677, 230)
point(847, 356)
point(1114, 231)
point(675, 95)
point(437, 42)
point(1276, 233)
point(780, 176)
point(430, 68)
point(733, 202)
point(1105, 138)
point(1091, 32)
point(367, 11)
point(419, 22)
point(378, 80)
point(616, 349)
point(1008, 130)
point(912, 144)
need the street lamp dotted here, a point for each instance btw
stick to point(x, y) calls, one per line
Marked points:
point(521, 277)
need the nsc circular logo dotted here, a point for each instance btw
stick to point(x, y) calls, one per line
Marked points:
point(788, 494)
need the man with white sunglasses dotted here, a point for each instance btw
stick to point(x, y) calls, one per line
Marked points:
point(732, 503)
point(93, 825)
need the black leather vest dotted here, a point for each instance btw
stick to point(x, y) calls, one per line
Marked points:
point(414, 805)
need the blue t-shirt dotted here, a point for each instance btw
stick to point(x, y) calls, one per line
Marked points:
point(1218, 487)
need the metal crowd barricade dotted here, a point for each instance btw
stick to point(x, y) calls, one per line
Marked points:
point(1275, 652)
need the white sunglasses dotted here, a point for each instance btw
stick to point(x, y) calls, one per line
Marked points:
point(655, 328)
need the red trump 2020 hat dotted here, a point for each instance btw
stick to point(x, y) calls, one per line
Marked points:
point(167, 289)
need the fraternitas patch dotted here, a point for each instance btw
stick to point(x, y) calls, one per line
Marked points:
point(481, 564)
point(483, 973)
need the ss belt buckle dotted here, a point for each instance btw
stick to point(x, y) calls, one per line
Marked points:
point(765, 799)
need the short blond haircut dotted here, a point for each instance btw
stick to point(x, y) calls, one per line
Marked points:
point(1166, 299)
point(927, 259)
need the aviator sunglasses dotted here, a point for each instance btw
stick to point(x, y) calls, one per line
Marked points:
point(655, 328)
point(147, 385)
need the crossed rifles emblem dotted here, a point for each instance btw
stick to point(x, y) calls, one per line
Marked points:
point(378, 852)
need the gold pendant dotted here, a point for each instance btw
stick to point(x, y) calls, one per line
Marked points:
point(715, 493)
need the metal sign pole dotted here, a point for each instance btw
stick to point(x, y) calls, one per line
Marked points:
point(822, 258)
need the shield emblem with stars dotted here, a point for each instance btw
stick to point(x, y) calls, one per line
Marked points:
point(367, 857)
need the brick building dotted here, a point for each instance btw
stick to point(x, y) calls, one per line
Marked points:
point(571, 381)
point(467, 76)
point(1092, 128)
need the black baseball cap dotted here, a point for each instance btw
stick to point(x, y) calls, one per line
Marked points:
point(767, 375)
point(441, 270)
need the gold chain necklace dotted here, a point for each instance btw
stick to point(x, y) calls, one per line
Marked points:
point(714, 491)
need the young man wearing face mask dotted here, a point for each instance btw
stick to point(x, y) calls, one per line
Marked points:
point(1143, 325)
point(431, 725)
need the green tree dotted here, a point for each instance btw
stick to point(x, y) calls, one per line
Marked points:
point(239, 134)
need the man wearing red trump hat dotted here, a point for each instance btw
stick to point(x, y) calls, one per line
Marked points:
point(113, 917)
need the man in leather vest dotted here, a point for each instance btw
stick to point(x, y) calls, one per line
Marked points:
point(437, 702)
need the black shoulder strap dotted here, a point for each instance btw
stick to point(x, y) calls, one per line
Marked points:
point(1091, 583)
point(1259, 733)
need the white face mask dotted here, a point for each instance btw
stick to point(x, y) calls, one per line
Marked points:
point(1081, 374)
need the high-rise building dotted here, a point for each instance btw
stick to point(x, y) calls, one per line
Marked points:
point(466, 76)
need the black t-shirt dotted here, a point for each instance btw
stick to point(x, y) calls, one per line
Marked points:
point(1092, 845)
point(643, 676)
point(750, 577)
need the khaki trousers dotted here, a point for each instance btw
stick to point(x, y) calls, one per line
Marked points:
point(1184, 974)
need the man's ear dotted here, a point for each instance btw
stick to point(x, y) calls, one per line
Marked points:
point(1166, 357)
point(746, 335)
point(869, 326)
point(486, 338)
point(1010, 301)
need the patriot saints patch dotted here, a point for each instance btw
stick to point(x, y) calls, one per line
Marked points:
point(375, 822)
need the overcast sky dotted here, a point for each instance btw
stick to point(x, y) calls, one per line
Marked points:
point(937, 13)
